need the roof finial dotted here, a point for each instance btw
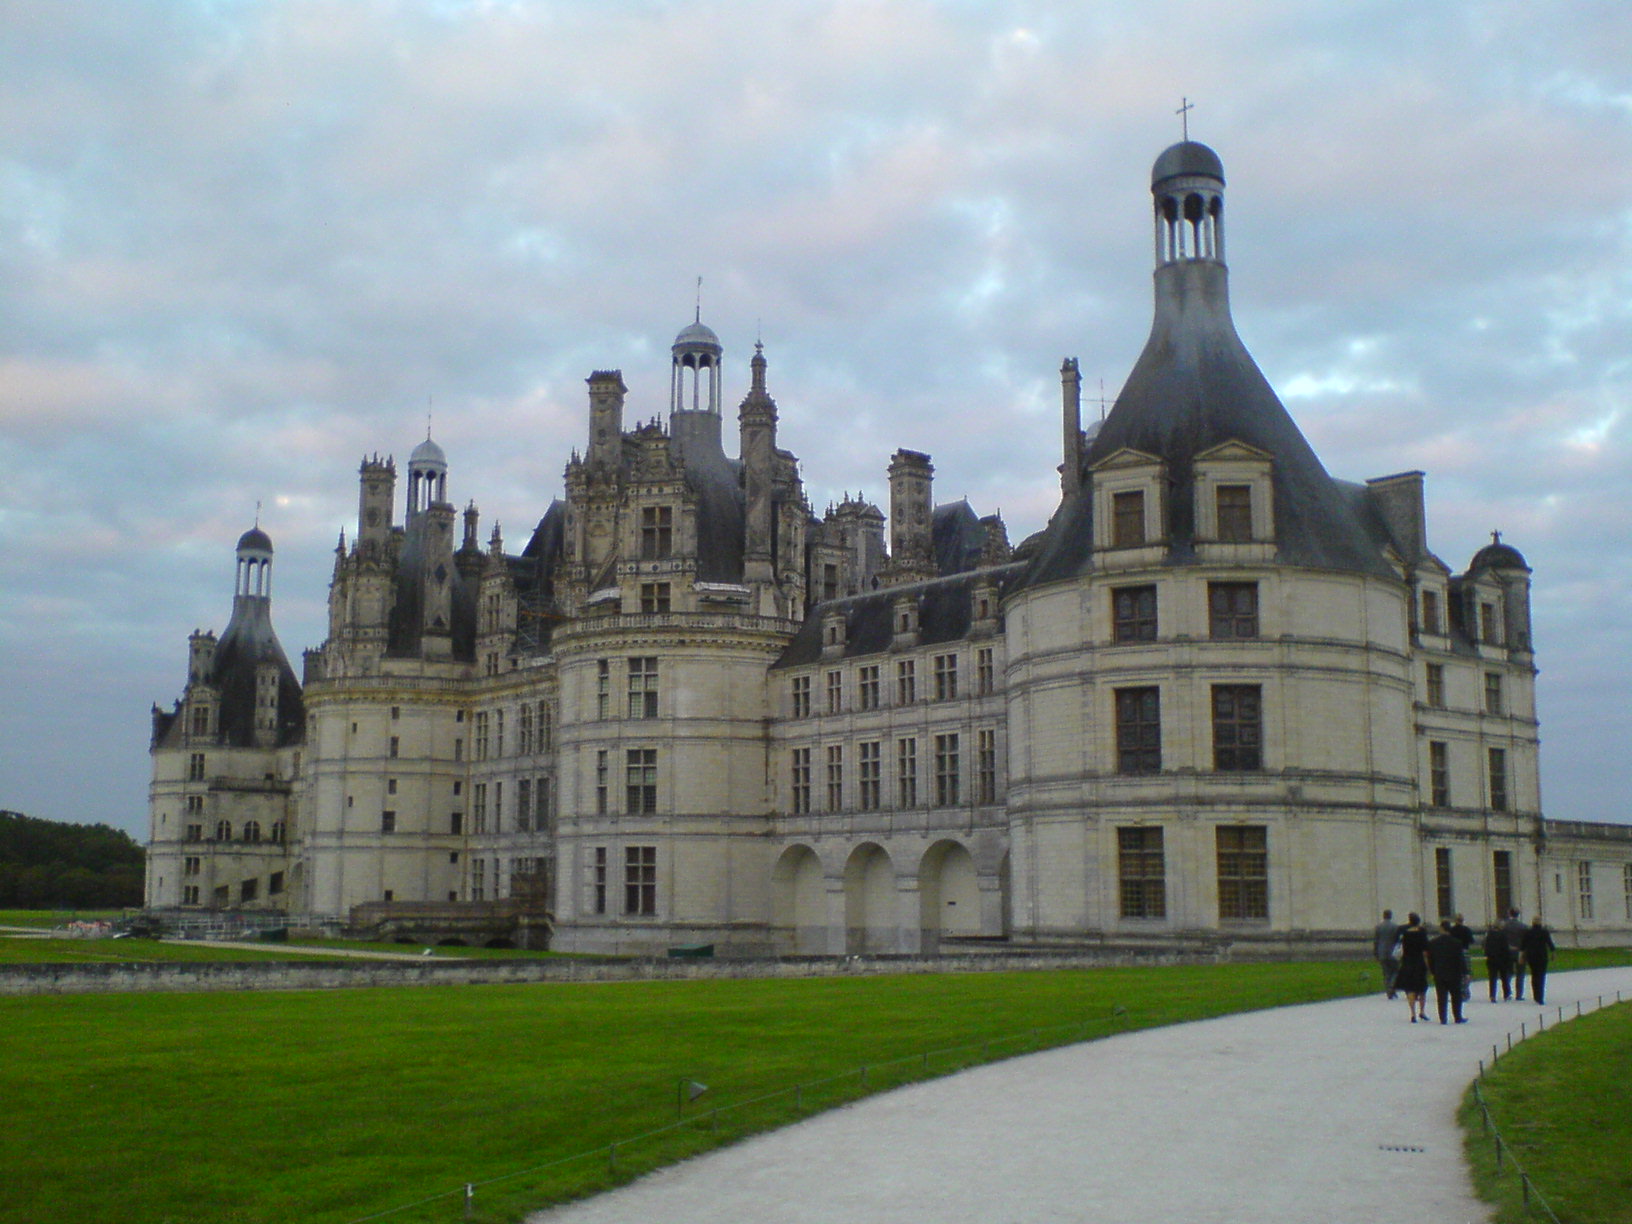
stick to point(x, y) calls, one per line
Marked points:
point(257, 512)
point(1186, 106)
point(698, 317)
point(430, 402)
point(1495, 537)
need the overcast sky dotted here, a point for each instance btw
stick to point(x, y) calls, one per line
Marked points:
point(242, 244)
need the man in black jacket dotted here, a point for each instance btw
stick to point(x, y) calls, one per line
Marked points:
point(1445, 961)
point(1537, 945)
point(1499, 962)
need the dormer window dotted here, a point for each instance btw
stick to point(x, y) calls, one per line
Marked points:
point(1130, 508)
point(1235, 502)
point(1430, 612)
point(656, 533)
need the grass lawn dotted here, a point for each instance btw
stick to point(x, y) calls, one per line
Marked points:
point(1560, 1101)
point(47, 919)
point(32, 950)
point(327, 1106)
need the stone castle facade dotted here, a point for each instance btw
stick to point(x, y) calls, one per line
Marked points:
point(1221, 698)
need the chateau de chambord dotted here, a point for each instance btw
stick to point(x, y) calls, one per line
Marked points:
point(1223, 699)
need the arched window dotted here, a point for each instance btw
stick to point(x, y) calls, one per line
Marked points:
point(223, 830)
point(277, 831)
point(252, 831)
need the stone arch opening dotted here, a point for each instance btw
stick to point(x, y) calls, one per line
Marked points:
point(948, 894)
point(869, 900)
point(799, 902)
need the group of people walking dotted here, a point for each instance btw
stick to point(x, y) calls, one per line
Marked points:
point(1411, 956)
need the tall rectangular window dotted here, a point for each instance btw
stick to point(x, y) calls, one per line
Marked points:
point(478, 807)
point(654, 597)
point(801, 696)
point(603, 689)
point(835, 692)
point(1626, 888)
point(868, 687)
point(1234, 503)
point(643, 688)
point(946, 677)
point(1138, 731)
point(1487, 622)
point(1232, 609)
point(601, 781)
point(640, 781)
point(835, 777)
point(498, 807)
point(1436, 685)
point(524, 805)
point(1439, 774)
point(946, 770)
point(801, 781)
point(546, 727)
point(656, 532)
point(1430, 612)
point(498, 733)
point(388, 822)
point(1493, 693)
point(1498, 779)
point(1501, 878)
point(985, 671)
point(870, 763)
point(543, 808)
point(1237, 727)
point(195, 767)
point(906, 772)
point(1583, 890)
point(1142, 872)
point(1444, 883)
point(640, 881)
point(597, 880)
point(524, 729)
point(1243, 872)
point(986, 765)
point(483, 737)
point(1127, 519)
point(478, 879)
point(1133, 614)
point(906, 682)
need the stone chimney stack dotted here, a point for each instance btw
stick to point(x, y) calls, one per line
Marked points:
point(912, 556)
point(606, 392)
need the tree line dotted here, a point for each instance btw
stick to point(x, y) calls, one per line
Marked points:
point(45, 864)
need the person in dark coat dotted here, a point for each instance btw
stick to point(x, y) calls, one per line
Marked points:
point(1537, 946)
point(1515, 928)
point(1412, 979)
point(1499, 961)
point(1445, 961)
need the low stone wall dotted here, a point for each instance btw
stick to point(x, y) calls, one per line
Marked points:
point(307, 975)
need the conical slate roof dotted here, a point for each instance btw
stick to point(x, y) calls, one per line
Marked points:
point(1195, 387)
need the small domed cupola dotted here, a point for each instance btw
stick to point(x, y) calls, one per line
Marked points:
point(1187, 182)
point(696, 349)
point(427, 476)
point(1497, 556)
point(254, 564)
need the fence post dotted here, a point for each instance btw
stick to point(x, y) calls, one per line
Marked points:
point(864, 1075)
point(799, 1099)
point(1524, 1186)
point(1498, 1151)
point(470, 1200)
point(612, 1158)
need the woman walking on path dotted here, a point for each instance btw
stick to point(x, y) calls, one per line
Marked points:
point(1412, 979)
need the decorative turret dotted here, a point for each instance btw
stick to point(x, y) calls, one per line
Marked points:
point(757, 418)
point(1071, 414)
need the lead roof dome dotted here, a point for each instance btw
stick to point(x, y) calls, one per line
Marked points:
point(1186, 158)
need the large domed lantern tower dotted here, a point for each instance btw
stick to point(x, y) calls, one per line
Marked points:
point(427, 477)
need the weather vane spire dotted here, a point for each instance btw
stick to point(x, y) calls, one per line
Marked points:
point(698, 317)
point(430, 403)
point(1185, 107)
